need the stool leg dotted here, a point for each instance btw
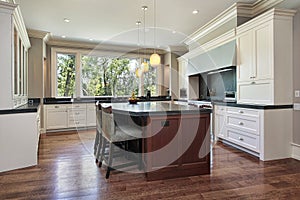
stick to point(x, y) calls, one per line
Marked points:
point(110, 158)
point(102, 151)
point(99, 148)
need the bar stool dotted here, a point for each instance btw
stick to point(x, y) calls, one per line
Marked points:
point(115, 136)
point(98, 138)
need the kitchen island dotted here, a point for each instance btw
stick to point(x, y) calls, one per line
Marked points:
point(175, 140)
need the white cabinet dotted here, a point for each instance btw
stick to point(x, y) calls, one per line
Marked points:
point(69, 116)
point(183, 80)
point(264, 55)
point(263, 133)
point(90, 115)
point(219, 119)
point(76, 115)
point(56, 116)
point(13, 56)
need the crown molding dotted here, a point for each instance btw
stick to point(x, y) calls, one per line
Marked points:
point(44, 35)
point(249, 10)
point(20, 26)
point(7, 7)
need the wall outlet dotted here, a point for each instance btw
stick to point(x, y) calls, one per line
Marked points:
point(297, 93)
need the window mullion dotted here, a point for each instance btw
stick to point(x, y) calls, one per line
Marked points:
point(78, 91)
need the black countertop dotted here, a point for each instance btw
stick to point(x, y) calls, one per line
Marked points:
point(101, 100)
point(156, 108)
point(27, 108)
point(252, 106)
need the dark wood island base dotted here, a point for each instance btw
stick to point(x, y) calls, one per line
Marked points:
point(190, 149)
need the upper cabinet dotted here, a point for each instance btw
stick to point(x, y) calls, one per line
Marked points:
point(13, 56)
point(264, 59)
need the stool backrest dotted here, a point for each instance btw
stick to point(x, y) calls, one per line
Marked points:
point(108, 124)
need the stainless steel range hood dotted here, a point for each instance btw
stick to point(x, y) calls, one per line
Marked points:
point(220, 57)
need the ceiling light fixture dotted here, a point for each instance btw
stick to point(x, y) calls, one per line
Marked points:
point(154, 58)
point(63, 36)
point(195, 12)
point(67, 20)
point(145, 65)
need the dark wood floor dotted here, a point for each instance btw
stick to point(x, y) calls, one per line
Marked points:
point(67, 170)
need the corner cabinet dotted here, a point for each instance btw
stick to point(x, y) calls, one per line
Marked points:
point(264, 59)
point(13, 56)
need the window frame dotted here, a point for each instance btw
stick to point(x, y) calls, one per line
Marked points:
point(78, 65)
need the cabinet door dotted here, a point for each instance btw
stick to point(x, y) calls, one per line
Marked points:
point(220, 125)
point(245, 56)
point(257, 92)
point(263, 68)
point(91, 115)
point(182, 65)
point(57, 118)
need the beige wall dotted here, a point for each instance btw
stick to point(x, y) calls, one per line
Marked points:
point(296, 131)
point(35, 68)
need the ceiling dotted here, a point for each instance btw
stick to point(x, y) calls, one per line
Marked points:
point(114, 21)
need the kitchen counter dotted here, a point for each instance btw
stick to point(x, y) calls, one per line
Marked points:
point(101, 100)
point(157, 108)
point(252, 106)
point(27, 108)
point(176, 138)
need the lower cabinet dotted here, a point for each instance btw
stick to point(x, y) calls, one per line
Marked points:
point(264, 133)
point(69, 116)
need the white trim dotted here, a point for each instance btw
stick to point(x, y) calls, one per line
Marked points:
point(20, 25)
point(249, 10)
point(295, 151)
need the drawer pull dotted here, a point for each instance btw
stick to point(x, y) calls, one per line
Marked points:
point(240, 138)
point(252, 83)
point(241, 123)
point(240, 111)
point(56, 106)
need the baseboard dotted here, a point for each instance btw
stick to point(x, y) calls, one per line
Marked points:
point(295, 151)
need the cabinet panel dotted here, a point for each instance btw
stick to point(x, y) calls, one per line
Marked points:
point(245, 56)
point(243, 123)
point(91, 115)
point(260, 92)
point(263, 44)
point(57, 118)
point(243, 139)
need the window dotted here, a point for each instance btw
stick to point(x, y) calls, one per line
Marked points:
point(82, 74)
point(65, 74)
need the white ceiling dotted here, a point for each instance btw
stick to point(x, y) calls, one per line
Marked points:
point(113, 21)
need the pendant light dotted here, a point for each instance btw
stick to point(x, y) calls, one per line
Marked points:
point(138, 71)
point(144, 65)
point(154, 58)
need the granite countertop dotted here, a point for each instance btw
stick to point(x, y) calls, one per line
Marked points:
point(27, 108)
point(52, 100)
point(156, 108)
point(253, 106)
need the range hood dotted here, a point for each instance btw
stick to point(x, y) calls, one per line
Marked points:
point(219, 57)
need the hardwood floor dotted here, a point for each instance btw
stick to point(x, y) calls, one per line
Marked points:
point(67, 170)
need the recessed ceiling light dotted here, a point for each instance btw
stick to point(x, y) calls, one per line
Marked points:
point(91, 39)
point(67, 20)
point(174, 32)
point(195, 12)
point(144, 7)
point(63, 36)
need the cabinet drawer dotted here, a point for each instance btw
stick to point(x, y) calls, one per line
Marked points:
point(53, 107)
point(77, 106)
point(244, 123)
point(220, 109)
point(77, 113)
point(242, 111)
point(244, 139)
point(77, 122)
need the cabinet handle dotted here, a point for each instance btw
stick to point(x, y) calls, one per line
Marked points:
point(56, 106)
point(253, 82)
point(77, 113)
point(240, 111)
point(240, 138)
point(241, 123)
